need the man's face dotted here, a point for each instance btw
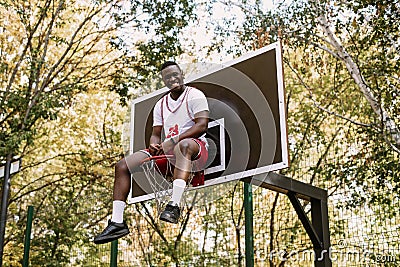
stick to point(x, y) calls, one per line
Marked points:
point(172, 77)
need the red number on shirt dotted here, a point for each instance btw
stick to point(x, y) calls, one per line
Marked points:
point(173, 131)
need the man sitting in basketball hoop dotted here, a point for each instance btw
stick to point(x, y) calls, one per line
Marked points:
point(182, 115)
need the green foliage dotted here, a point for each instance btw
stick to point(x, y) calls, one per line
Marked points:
point(337, 139)
point(165, 21)
point(66, 176)
point(328, 112)
point(57, 112)
point(60, 54)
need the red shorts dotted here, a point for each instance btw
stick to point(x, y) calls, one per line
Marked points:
point(199, 163)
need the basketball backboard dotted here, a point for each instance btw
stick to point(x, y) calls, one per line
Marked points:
point(247, 126)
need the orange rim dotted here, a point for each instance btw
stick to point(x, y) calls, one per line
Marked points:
point(157, 157)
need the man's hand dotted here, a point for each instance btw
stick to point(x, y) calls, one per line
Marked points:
point(155, 149)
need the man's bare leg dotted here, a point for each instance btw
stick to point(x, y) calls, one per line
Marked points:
point(117, 228)
point(184, 152)
point(123, 170)
point(122, 183)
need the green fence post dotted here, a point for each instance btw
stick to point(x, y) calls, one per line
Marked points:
point(114, 253)
point(27, 243)
point(248, 216)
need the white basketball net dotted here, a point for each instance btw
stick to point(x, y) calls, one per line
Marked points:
point(161, 184)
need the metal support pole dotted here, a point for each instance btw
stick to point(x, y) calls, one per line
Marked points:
point(114, 253)
point(4, 204)
point(248, 215)
point(319, 216)
point(311, 231)
point(27, 243)
point(317, 229)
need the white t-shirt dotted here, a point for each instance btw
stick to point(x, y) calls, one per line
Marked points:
point(177, 116)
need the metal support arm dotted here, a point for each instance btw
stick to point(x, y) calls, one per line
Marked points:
point(318, 228)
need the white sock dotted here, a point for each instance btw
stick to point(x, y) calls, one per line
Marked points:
point(178, 187)
point(118, 211)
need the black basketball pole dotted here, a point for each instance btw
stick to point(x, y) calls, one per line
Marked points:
point(4, 204)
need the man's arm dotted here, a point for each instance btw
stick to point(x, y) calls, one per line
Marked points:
point(198, 129)
point(155, 140)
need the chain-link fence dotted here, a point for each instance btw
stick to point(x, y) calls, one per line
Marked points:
point(212, 233)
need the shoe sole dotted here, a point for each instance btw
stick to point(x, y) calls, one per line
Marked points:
point(111, 237)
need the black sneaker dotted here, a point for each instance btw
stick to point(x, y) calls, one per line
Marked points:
point(112, 232)
point(171, 213)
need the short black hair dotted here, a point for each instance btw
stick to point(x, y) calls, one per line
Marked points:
point(168, 63)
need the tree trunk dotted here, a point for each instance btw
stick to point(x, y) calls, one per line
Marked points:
point(387, 122)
